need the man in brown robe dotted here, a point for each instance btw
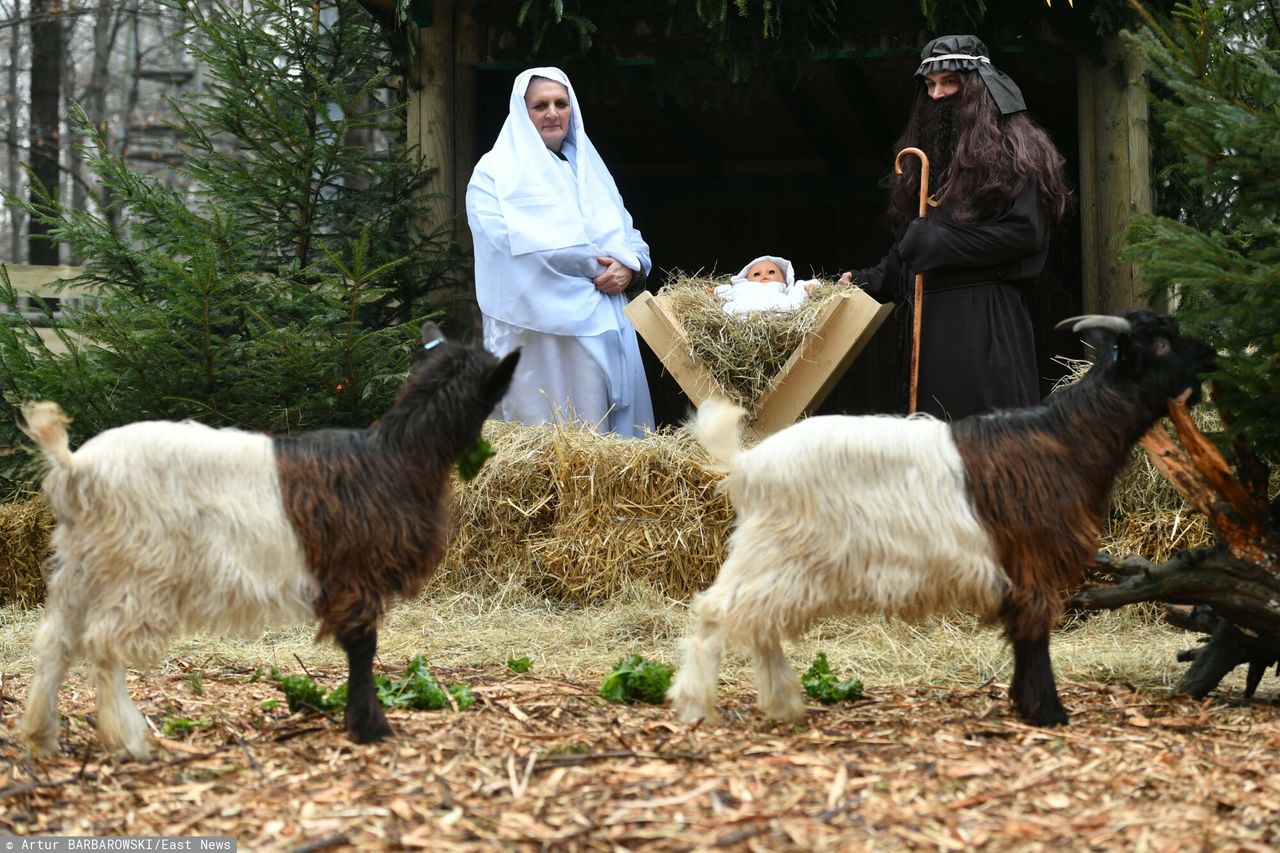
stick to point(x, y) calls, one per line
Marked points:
point(995, 187)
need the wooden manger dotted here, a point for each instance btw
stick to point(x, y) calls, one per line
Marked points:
point(843, 329)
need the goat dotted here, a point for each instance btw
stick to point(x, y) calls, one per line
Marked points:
point(165, 527)
point(995, 513)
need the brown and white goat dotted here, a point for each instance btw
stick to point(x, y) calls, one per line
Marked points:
point(166, 527)
point(996, 513)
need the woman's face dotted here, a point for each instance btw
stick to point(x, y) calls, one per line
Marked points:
point(549, 109)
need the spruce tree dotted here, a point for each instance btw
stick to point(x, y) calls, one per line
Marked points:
point(283, 289)
point(1215, 73)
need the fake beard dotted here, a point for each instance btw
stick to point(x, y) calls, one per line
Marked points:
point(938, 135)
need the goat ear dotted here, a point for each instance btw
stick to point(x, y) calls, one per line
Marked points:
point(496, 383)
point(431, 334)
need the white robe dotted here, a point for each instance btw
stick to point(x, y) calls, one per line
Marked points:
point(538, 224)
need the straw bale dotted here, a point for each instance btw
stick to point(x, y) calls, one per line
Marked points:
point(25, 525)
point(582, 516)
point(1147, 516)
point(743, 352)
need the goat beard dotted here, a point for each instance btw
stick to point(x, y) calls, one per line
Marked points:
point(938, 135)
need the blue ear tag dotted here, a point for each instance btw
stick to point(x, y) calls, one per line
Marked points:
point(433, 344)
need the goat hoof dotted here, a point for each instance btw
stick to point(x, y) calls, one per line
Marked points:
point(694, 715)
point(134, 752)
point(1050, 717)
point(370, 732)
point(39, 749)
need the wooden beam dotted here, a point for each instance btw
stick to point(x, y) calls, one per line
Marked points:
point(44, 280)
point(431, 120)
point(1115, 175)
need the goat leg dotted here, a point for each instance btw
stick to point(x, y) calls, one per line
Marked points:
point(366, 722)
point(1033, 690)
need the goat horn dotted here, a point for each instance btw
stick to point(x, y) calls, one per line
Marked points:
point(1119, 325)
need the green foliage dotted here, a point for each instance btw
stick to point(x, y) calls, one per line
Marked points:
point(195, 683)
point(179, 726)
point(519, 665)
point(473, 459)
point(1216, 82)
point(820, 683)
point(285, 288)
point(635, 679)
point(416, 689)
point(769, 42)
point(419, 690)
point(303, 694)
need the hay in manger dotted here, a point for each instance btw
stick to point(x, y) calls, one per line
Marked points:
point(778, 365)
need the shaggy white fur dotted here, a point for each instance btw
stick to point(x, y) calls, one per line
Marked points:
point(834, 515)
point(162, 528)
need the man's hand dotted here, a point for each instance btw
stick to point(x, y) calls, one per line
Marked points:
point(614, 278)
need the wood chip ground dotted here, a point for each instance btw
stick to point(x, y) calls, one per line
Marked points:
point(541, 762)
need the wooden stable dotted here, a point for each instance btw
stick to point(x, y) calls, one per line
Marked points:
point(842, 330)
point(46, 283)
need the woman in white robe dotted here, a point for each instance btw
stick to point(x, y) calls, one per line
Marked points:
point(555, 251)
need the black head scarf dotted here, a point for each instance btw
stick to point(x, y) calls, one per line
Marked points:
point(968, 53)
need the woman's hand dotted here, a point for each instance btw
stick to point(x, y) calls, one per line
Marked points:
point(614, 278)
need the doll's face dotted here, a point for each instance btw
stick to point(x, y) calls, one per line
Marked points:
point(765, 271)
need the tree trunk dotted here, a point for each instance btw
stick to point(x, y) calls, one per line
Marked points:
point(46, 87)
point(13, 172)
point(1234, 588)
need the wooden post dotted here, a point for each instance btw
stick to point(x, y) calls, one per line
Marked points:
point(442, 128)
point(1115, 175)
point(430, 121)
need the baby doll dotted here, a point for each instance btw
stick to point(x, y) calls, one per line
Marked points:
point(766, 284)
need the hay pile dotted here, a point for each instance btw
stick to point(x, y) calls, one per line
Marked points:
point(25, 525)
point(1146, 515)
point(581, 516)
point(744, 353)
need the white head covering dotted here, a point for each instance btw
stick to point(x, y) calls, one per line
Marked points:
point(784, 266)
point(539, 208)
point(540, 225)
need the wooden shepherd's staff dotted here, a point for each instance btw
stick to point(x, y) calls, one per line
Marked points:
point(919, 295)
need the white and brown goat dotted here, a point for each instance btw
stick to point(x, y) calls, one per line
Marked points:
point(996, 513)
point(168, 527)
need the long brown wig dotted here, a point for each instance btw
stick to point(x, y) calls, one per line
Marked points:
point(994, 158)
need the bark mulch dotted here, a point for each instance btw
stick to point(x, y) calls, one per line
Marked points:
point(543, 762)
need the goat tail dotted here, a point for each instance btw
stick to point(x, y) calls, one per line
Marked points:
point(46, 424)
point(718, 428)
